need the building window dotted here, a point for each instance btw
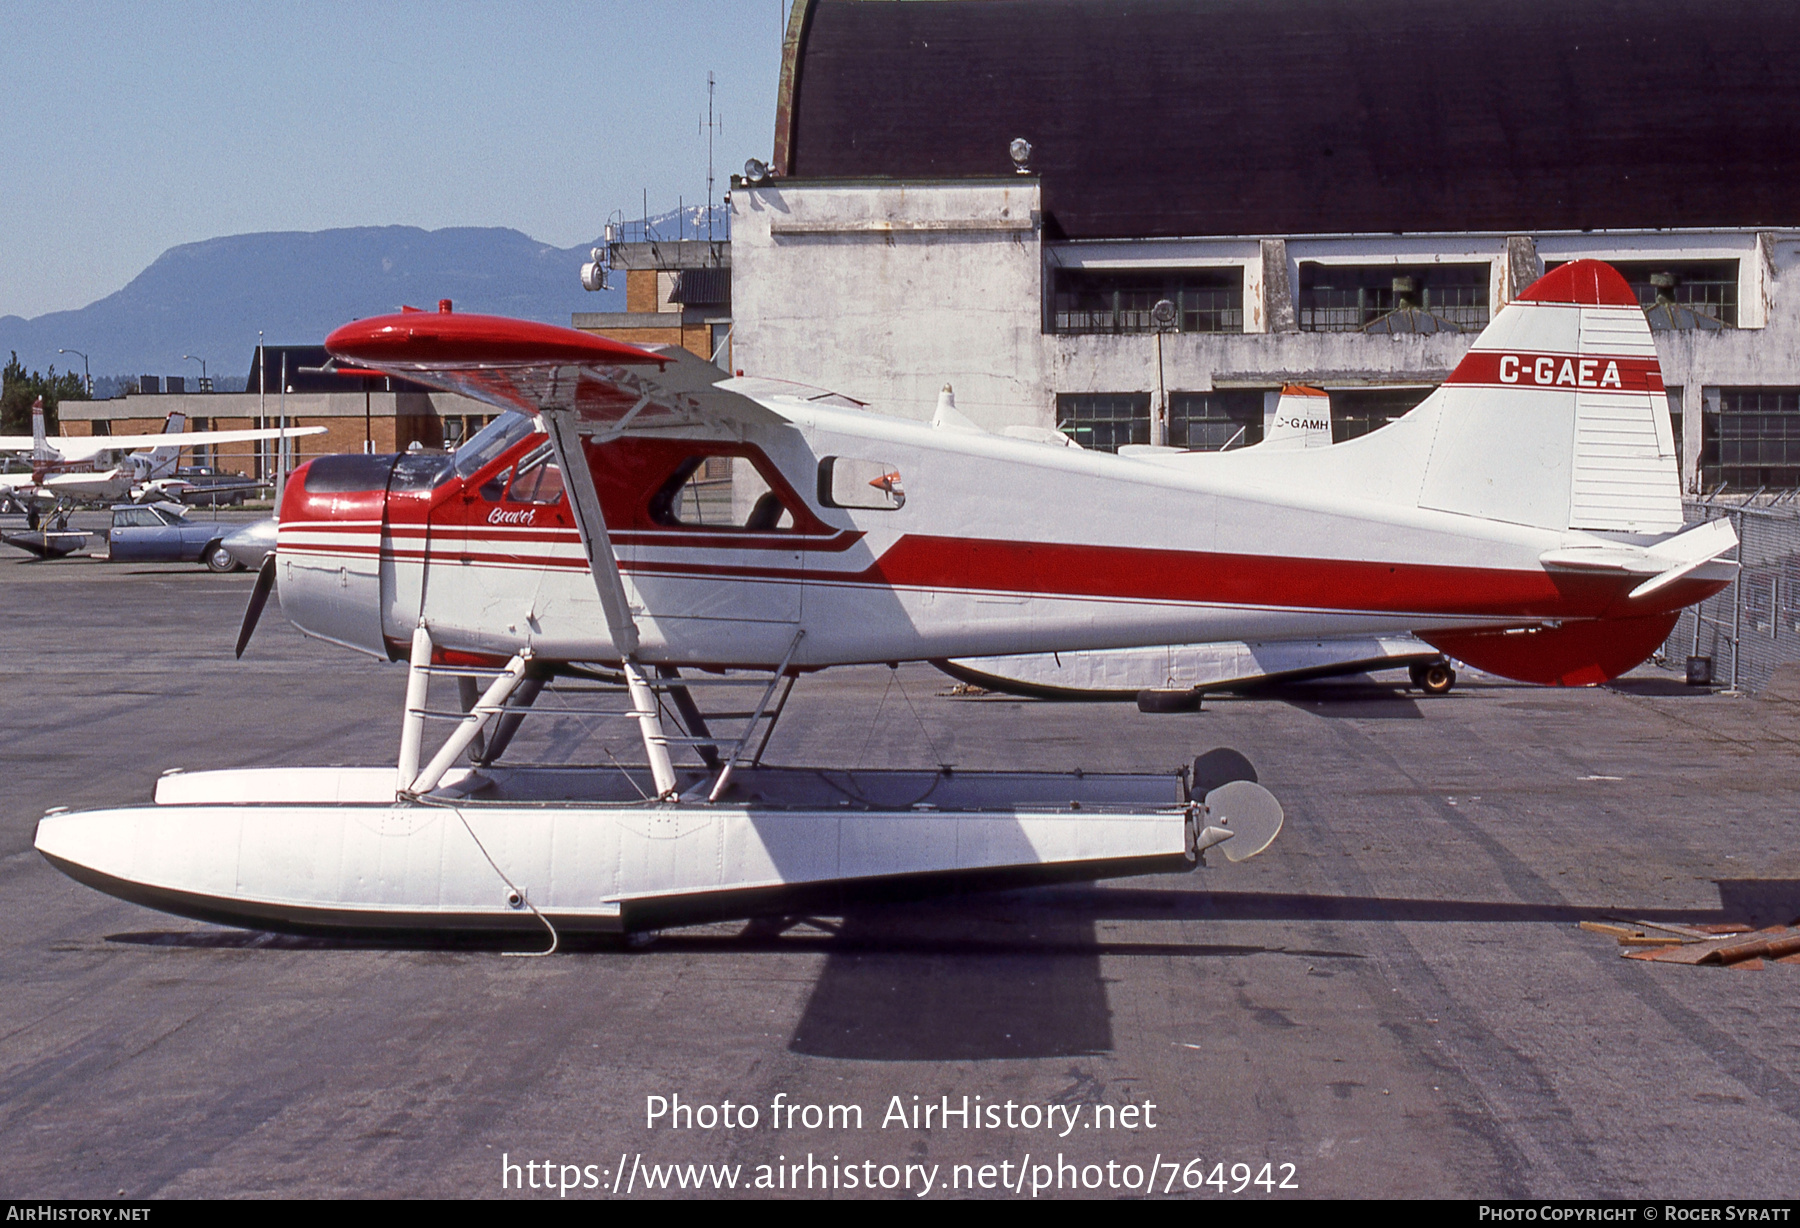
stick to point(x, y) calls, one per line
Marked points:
point(1103, 421)
point(702, 288)
point(1120, 301)
point(1674, 396)
point(1752, 441)
point(1684, 294)
point(1214, 421)
point(1339, 298)
point(1358, 411)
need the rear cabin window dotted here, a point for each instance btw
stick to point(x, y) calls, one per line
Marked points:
point(720, 492)
point(850, 481)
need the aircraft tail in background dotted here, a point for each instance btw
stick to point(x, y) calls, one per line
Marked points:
point(40, 439)
point(1302, 419)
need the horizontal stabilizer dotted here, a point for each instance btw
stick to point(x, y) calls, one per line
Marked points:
point(1664, 563)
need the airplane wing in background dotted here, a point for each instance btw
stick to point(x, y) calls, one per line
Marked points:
point(84, 447)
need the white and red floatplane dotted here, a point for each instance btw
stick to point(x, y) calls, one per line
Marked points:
point(1526, 519)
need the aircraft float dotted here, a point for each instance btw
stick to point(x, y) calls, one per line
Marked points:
point(1525, 518)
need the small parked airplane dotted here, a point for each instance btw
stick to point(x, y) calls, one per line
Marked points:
point(88, 469)
point(1524, 518)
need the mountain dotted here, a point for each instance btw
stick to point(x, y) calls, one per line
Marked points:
point(210, 298)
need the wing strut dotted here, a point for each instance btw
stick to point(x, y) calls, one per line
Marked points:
point(578, 479)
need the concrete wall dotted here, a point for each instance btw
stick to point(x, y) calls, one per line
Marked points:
point(885, 293)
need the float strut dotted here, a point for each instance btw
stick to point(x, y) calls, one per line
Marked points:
point(412, 724)
point(471, 725)
point(643, 700)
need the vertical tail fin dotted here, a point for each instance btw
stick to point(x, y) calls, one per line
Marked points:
point(1557, 416)
point(161, 461)
point(1302, 419)
point(40, 439)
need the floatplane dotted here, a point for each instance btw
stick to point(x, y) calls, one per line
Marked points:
point(1525, 519)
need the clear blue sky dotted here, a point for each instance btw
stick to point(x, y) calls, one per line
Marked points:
point(127, 128)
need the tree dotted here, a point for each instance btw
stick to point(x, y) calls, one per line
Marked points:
point(18, 390)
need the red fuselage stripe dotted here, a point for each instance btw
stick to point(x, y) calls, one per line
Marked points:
point(1113, 573)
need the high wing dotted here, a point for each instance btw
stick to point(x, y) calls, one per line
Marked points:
point(603, 387)
point(83, 448)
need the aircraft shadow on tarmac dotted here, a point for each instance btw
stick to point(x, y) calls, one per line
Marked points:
point(930, 982)
point(902, 929)
point(1360, 697)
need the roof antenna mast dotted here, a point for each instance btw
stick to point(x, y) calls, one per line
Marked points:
point(711, 126)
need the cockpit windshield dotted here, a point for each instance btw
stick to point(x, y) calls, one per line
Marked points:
point(491, 440)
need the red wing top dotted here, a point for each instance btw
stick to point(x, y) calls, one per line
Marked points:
point(525, 365)
point(451, 341)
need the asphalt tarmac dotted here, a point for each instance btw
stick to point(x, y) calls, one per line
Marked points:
point(1394, 1000)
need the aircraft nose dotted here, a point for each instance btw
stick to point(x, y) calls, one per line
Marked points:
point(328, 552)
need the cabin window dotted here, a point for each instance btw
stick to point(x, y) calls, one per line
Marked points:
point(851, 482)
point(1102, 421)
point(703, 494)
point(535, 479)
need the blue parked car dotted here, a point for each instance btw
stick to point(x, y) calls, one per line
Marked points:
point(160, 533)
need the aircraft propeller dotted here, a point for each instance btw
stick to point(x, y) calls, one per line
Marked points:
point(259, 597)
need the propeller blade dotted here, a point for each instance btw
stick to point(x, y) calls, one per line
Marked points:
point(259, 597)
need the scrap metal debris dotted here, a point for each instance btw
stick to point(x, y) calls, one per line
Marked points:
point(1727, 946)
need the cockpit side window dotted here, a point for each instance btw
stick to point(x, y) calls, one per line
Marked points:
point(537, 479)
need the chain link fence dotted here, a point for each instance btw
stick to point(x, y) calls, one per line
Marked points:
point(1753, 626)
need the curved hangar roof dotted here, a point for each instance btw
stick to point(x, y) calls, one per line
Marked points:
point(1156, 118)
